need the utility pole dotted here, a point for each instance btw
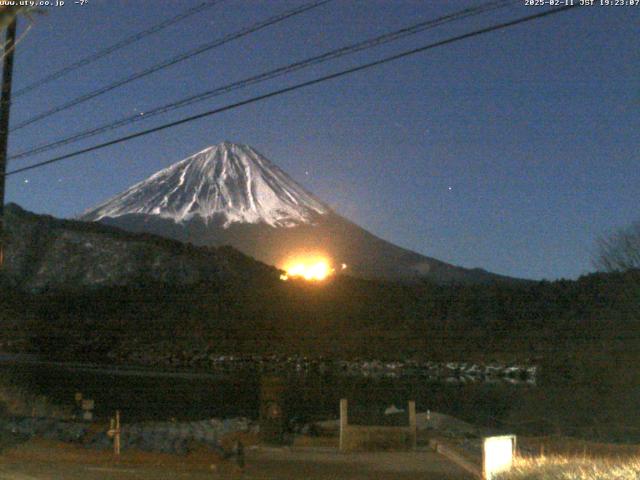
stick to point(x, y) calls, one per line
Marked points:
point(5, 106)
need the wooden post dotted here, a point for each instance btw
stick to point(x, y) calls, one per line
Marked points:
point(413, 424)
point(344, 421)
point(114, 432)
point(116, 440)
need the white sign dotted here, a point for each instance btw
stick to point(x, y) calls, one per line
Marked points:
point(497, 455)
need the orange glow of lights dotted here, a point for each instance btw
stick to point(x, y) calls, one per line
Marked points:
point(308, 268)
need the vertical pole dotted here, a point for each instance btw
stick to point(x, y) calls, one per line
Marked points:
point(5, 106)
point(116, 440)
point(344, 420)
point(413, 424)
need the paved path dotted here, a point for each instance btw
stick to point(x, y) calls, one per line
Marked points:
point(307, 463)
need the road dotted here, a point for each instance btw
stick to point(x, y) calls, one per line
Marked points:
point(40, 460)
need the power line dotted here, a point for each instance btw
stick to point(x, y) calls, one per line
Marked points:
point(174, 60)
point(115, 47)
point(297, 87)
point(315, 60)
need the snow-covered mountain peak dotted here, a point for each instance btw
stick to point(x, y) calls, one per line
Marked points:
point(228, 182)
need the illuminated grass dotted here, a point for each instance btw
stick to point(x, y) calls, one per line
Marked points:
point(573, 468)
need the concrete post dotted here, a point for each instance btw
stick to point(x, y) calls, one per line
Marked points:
point(344, 421)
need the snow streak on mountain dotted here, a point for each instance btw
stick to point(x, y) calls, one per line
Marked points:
point(228, 183)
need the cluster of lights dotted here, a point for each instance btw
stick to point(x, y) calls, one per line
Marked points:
point(310, 269)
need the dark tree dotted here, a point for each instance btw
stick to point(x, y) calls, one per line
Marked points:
point(619, 251)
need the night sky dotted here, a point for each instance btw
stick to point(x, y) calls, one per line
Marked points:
point(512, 151)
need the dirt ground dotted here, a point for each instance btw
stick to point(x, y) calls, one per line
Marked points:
point(45, 460)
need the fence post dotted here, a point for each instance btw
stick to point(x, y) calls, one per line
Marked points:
point(116, 443)
point(344, 421)
point(413, 424)
point(114, 432)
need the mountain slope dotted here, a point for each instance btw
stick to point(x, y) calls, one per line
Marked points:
point(230, 194)
point(226, 184)
point(44, 253)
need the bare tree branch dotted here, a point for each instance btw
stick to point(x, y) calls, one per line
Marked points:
point(619, 251)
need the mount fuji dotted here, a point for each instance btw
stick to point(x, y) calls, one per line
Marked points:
point(229, 194)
